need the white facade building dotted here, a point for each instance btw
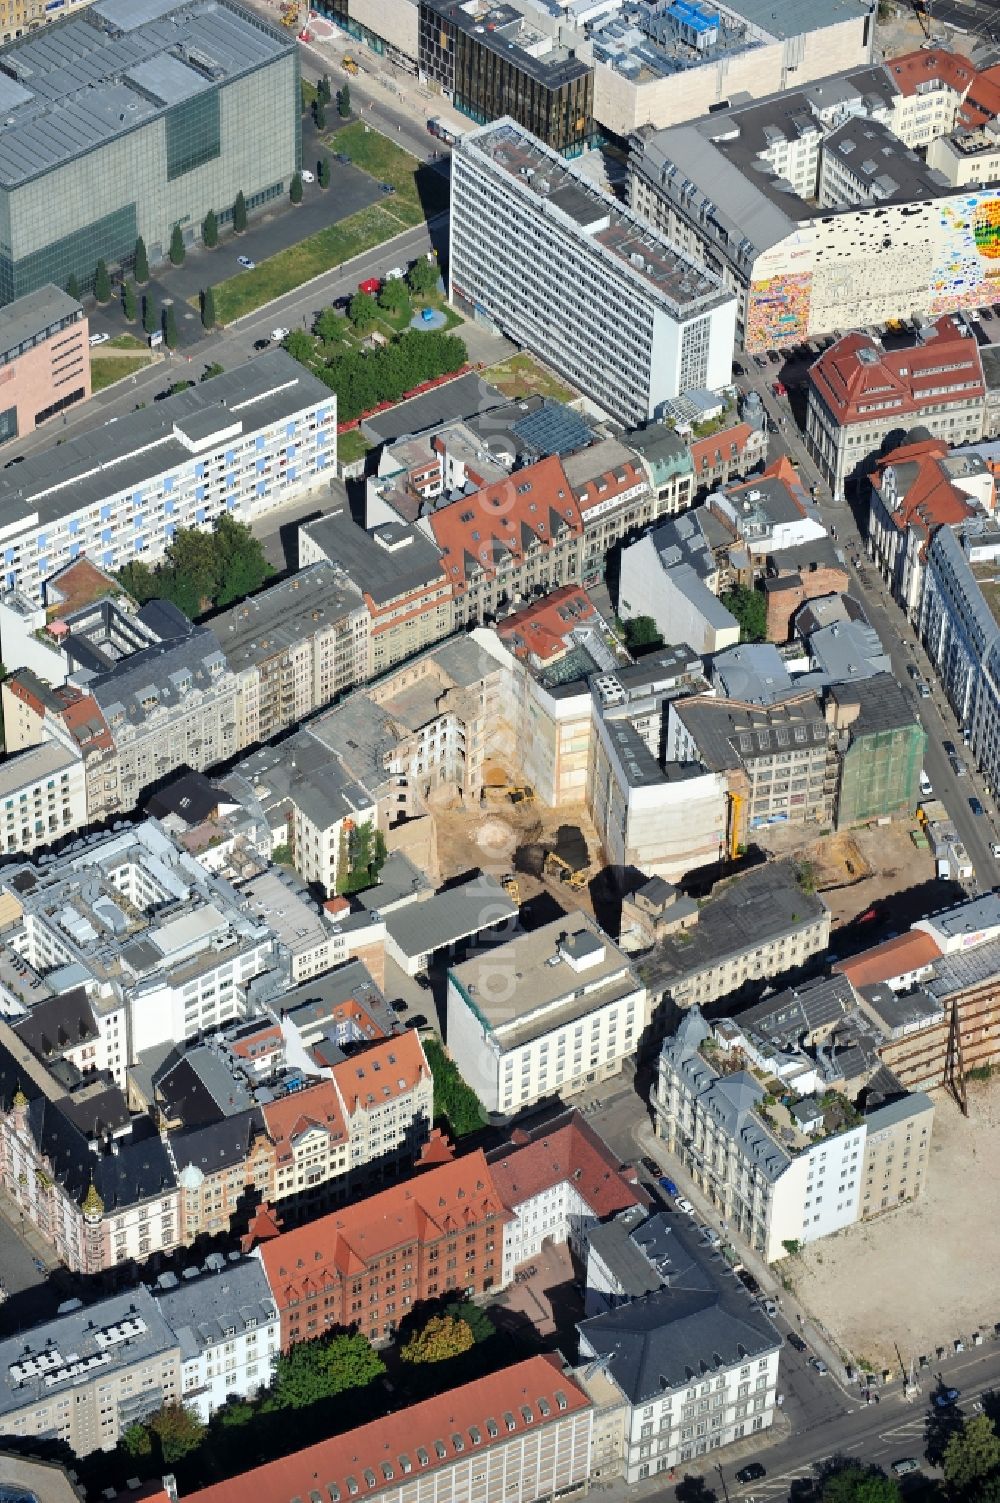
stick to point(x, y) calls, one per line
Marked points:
point(557, 264)
point(240, 444)
point(545, 1013)
point(43, 796)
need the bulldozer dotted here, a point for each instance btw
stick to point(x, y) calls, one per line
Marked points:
point(518, 793)
point(555, 866)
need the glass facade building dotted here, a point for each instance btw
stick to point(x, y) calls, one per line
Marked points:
point(480, 62)
point(164, 110)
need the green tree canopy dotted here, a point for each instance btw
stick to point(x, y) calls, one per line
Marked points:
point(170, 326)
point(208, 309)
point(295, 188)
point(362, 311)
point(73, 287)
point(136, 1442)
point(314, 1370)
point(423, 276)
point(178, 1429)
point(211, 370)
point(443, 1337)
point(393, 297)
point(344, 101)
point(319, 113)
point(130, 302)
point(240, 213)
point(150, 318)
point(642, 632)
point(201, 570)
point(323, 172)
point(102, 283)
point(141, 267)
point(327, 325)
point(750, 609)
point(860, 1484)
point(177, 251)
point(210, 230)
point(299, 346)
point(972, 1456)
point(362, 378)
point(323, 90)
point(453, 1099)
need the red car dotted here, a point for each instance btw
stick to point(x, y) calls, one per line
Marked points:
point(779, 389)
point(372, 285)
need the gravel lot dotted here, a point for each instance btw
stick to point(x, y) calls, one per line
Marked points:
point(928, 1272)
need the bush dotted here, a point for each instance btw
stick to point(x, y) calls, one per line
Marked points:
point(344, 101)
point(453, 1099)
point(422, 277)
point(362, 379)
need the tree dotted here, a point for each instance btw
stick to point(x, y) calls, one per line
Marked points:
point(393, 297)
point(860, 1484)
point(323, 172)
point(102, 283)
point(475, 1318)
point(212, 370)
point(242, 567)
point(73, 287)
point(295, 189)
point(210, 230)
point(141, 266)
point(299, 346)
point(443, 1336)
point(642, 632)
point(327, 325)
point(170, 327)
point(314, 1370)
point(208, 308)
point(130, 303)
point(362, 311)
point(360, 858)
point(177, 251)
point(135, 1441)
point(323, 90)
point(422, 277)
point(453, 1099)
point(150, 319)
point(178, 1429)
point(240, 213)
point(750, 609)
point(344, 101)
point(972, 1455)
point(319, 114)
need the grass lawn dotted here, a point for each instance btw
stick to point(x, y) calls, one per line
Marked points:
point(127, 342)
point(351, 446)
point(105, 372)
point(290, 268)
point(523, 376)
point(383, 160)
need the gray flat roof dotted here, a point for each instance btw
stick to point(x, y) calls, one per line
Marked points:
point(392, 560)
point(450, 916)
point(121, 455)
point(500, 28)
point(462, 398)
point(789, 18)
point(32, 314)
point(93, 77)
point(287, 612)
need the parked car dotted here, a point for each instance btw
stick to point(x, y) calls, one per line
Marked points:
point(926, 786)
point(819, 1365)
point(957, 766)
point(99, 339)
point(946, 1397)
point(423, 981)
point(262, 344)
point(774, 357)
point(976, 806)
point(748, 1281)
point(995, 850)
point(651, 1167)
point(905, 1465)
point(246, 263)
point(306, 176)
point(795, 1340)
point(684, 1205)
point(923, 689)
point(769, 1306)
point(668, 1185)
point(18, 459)
point(419, 1021)
point(399, 1005)
point(278, 334)
point(342, 158)
point(386, 188)
point(711, 1236)
point(751, 1473)
point(949, 748)
point(760, 362)
point(371, 285)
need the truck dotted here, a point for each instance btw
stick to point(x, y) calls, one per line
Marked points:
point(442, 131)
point(943, 868)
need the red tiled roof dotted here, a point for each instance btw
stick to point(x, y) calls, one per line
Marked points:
point(495, 1402)
point(500, 521)
point(290, 1117)
point(932, 500)
point(896, 957)
point(605, 487)
point(449, 1196)
point(541, 629)
point(382, 1072)
point(912, 69)
point(705, 452)
point(854, 386)
point(982, 103)
point(565, 1150)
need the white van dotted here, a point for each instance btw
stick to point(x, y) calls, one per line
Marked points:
point(395, 274)
point(926, 787)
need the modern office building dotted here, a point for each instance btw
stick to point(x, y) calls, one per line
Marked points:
point(44, 360)
point(488, 61)
point(126, 120)
point(239, 444)
point(546, 1013)
point(557, 264)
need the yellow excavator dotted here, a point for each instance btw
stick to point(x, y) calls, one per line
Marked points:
point(518, 793)
point(555, 866)
point(512, 888)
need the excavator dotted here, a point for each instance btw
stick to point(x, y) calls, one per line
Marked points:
point(511, 887)
point(555, 866)
point(518, 793)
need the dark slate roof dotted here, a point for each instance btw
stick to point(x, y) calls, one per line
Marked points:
point(192, 797)
point(220, 1144)
point(702, 1322)
point(57, 1024)
point(199, 1088)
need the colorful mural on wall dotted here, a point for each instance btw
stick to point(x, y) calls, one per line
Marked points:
point(967, 272)
point(778, 310)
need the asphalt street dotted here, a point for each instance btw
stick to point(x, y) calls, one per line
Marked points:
point(898, 637)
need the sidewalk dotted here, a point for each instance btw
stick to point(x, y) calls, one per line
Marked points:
point(769, 1280)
